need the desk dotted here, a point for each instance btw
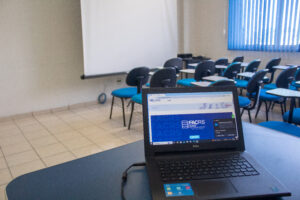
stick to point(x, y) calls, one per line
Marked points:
point(297, 82)
point(287, 93)
point(193, 65)
point(99, 176)
point(281, 67)
point(201, 83)
point(246, 74)
point(214, 78)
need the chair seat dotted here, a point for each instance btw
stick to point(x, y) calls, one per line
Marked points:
point(137, 98)
point(186, 82)
point(125, 92)
point(270, 86)
point(269, 97)
point(266, 79)
point(296, 116)
point(244, 102)
point(241, 83)
point(147, 84)
point(283, 127)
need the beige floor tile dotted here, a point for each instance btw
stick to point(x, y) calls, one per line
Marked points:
point(68, 135)
point(27, 167)
point(9, 125)
point(59, 158)
point(5, 176)
point(50, 150)
point(12, 140)
point(85, 151)
point(16, 148)
point(76, 143)
point(20, 158)
point(36, 134)
point(111, 144)
point(32, 128)
point(80, 124)
point(1, 154)
point(60, 129)
point(43, 141)
point(2, 163)
point(26, 121)
point(90, 130)
point(10, 133)
point(2, 192)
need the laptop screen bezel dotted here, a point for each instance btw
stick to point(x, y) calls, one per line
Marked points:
point(235, 145)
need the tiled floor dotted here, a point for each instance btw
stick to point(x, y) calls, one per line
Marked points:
point(32, 143)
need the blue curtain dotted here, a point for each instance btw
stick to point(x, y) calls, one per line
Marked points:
point(264, 25)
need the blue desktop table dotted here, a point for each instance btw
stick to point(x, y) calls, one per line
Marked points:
point(99, 176)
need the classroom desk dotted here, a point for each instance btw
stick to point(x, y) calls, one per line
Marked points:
point(286, 93)
point(214, 78)
point(246, 74)
point(201, 83)
point(281, 67)
point(99, 176)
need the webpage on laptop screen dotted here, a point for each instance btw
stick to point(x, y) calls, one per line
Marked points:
point(178, 118)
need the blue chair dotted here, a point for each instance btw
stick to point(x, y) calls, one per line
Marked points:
point(232, 70)
point(238, 59)
point(282, 127)
point(222, 83)
point(177, 63)
point(269, 66)
point(205, 68)
point(296, 116)
point(253, 87)
point(252, 67)
point(284, 80)
point(162, 78)
point(295, 86)
point(136, 77)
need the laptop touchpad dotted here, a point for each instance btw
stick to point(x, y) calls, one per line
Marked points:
point(213, 187)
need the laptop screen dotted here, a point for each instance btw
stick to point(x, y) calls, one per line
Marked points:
point(180, 118)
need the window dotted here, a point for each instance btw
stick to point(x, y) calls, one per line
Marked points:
point(264, 25)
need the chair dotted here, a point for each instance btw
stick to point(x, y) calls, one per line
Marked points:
point(232, 70)
point(253, 87)
point(252, 67)
point(296, 116)
point(269, 66)
point(284, 80)
point(222, 61)
point(177, 63)
point(295, 86)
point(162, 78)
point(238, 59)
point(205, 68)
point(136, 77)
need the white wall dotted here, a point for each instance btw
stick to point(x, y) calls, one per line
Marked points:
point(205, 33)
point(41, 57)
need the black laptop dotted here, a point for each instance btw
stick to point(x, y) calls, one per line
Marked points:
point(194, 147)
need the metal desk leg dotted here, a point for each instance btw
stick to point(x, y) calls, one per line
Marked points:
point(291, 110)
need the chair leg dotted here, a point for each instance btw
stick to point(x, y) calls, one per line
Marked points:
point(249, 114)
point(242, 112)
point(284, 103)
point(273, 104)
point(124, 120)
point(132, 108)
point(112, 105)
point(241, 91)
point(258, 108)
point(282, 111)
point(267, 110)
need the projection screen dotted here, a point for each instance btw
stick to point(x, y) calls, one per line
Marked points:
point(119, 35)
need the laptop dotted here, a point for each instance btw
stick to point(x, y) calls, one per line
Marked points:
point(194, 147)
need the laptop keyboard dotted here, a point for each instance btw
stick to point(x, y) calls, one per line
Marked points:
point(179, 170)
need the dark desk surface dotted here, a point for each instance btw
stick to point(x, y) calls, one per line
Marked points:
point(99, 176)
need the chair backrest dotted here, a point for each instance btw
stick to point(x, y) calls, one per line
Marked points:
point(222, 83)
point(255, 81)
point(205, 68)
point(232, 70)
point(286, 77)
point(222, 61)
point(185, 55)
point(164, 78)
point(238, 59)
point(297, 74)
point(253, 66)
point(177, 63)
point(138, 77)
point(254, 85)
